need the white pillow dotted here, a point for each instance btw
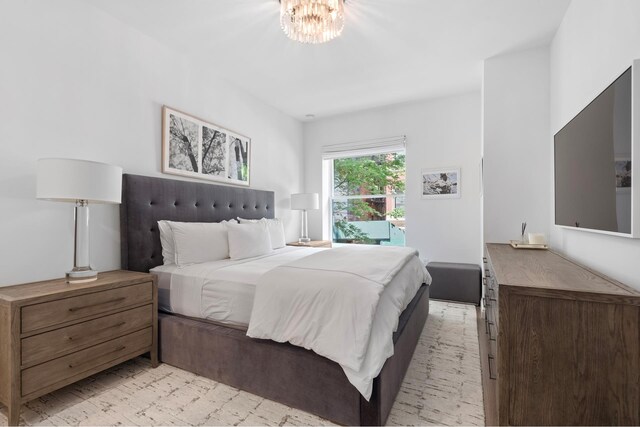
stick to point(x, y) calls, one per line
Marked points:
point(248, 240)
point(276, 231)
point(197, 242)
point(166, 241)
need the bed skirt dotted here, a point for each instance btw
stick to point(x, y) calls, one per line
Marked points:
point(288, 374)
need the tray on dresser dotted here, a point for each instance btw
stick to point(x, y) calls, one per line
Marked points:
point(516, 244)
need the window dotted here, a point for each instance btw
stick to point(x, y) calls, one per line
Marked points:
point(367, 200)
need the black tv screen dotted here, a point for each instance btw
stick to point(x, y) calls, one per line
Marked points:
point(593, 163)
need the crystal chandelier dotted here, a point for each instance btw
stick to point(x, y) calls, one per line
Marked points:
point(312, 21)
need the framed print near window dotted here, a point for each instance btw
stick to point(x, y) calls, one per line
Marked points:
point(198, 149)
point(623, 174)
point(443, 183)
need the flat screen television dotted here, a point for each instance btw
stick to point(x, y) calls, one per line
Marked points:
point(592, 162)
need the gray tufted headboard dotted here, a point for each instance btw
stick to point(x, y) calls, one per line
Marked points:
point(146, 200)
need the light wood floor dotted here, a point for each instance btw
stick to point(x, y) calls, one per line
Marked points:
point(442, 387)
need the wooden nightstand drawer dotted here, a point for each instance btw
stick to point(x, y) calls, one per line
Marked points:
point(50, 345)
point(64, 370)
point(53, 313)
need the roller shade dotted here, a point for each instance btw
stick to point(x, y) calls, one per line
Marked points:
point(364, 148)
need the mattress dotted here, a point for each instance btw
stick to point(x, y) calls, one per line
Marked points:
point(229, 285)
point(227, 296)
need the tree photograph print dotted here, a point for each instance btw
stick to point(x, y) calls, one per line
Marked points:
point(214, 151)
point(198, 149)
point(183, 144)
point(238, 159)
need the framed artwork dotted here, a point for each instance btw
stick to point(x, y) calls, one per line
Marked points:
point(623, 173)
point(443, 183)
point(198, 149)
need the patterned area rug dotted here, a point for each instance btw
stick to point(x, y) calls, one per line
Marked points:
point(442, 387)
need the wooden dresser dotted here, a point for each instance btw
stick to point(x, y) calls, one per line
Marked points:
point(564, 341)
point(53, 333)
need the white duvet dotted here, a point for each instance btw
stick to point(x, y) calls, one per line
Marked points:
point(331, 301)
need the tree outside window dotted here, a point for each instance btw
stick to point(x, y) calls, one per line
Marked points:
point(368, 199)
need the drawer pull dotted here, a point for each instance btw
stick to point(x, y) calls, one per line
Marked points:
point(117, 325)
point(491, 337)
point(111, 301)
point(117, 350)
point(484, 259)
point(487, 273)
point(484, 281)
point(492, 374)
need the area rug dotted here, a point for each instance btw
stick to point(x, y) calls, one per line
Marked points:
point(442, 387)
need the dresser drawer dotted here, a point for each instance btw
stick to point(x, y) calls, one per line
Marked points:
point(49, 345)
point(52, 313)
point(62, 370)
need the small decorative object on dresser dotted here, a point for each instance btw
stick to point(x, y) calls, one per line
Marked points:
point(304, 202)
point(443, 183)
point(53, 334)
point(199, 149)
point(81, 182)
point(312, 244)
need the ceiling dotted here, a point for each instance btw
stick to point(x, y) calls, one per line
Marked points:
point(390, 51)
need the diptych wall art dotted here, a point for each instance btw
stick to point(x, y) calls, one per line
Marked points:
point(195, 148)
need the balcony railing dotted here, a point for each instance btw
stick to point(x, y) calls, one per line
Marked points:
point(373, 220)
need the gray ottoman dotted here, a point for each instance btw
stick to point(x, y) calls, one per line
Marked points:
point(455, 282)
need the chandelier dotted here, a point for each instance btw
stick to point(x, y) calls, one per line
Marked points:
point(312, 21)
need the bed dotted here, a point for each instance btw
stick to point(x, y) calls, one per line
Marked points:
point(217, 347)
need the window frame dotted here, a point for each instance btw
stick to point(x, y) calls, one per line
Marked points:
point(332, 196)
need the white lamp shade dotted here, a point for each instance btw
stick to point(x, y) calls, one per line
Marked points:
point(305, 201)
point(68, 180)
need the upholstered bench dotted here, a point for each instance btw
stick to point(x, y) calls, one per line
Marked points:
point(455, 282)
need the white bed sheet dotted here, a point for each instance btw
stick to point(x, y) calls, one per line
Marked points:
point(229, 286)
point(227, 295)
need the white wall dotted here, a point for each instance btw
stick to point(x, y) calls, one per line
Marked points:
point(516, 154)
point(595, 43)
point(440, 133)
point(76, 82)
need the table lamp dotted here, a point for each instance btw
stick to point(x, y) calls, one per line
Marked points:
point(79, 182)
point(304, 202)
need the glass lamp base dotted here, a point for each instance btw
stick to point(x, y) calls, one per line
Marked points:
point(81, 275)
point(304, 240)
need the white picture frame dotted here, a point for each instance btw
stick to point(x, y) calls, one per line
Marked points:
point(196, 148)
point(441, 183)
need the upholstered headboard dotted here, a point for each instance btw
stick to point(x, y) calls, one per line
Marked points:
point(146, 200)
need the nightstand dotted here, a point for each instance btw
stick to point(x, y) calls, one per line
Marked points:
point(312, 244)
point(54, 333)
